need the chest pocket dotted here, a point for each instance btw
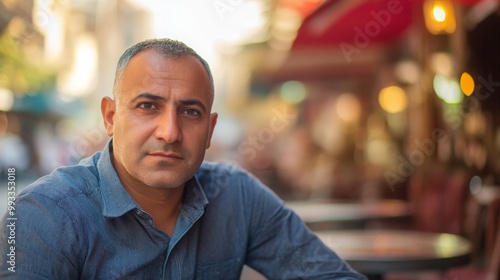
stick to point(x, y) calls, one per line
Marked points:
point(221, 271)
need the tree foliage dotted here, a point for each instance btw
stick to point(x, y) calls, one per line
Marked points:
point(18, 73)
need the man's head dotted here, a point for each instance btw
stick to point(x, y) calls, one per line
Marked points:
point(167, 47)
point(160, 120)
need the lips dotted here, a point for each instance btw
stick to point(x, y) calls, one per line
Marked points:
point(166, 155)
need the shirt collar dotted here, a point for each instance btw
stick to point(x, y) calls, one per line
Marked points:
point(194, 195)
point(117, 201)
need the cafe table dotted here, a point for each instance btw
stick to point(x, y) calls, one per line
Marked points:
point(376, 252)
point(337, 215)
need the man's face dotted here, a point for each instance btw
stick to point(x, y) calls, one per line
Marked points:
point(162, 122)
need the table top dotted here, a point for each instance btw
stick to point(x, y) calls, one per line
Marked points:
point(381, 251)
point(316, 212)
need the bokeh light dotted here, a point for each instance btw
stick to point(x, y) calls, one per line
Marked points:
point(467, 84)
point(442, 63)
point(447, 89)
point(439, 16)
point(439, 13)
point(6, 99)
point(393, 99)
point(293, 92)
point(475, 185)
point(348, 107)
point(407, 71)
point(80, 80)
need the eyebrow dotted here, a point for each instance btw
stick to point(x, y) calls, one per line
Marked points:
point(148, 96)
point(195, 102)
point(154, 97)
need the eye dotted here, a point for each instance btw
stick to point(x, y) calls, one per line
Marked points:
point(191, 112)
point(147, 106)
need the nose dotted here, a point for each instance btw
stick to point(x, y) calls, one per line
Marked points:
point(167, 128)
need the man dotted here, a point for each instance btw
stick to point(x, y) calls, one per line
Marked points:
point(147, 207)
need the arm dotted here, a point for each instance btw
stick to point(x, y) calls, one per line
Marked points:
point(282, 247)
point(39, 243)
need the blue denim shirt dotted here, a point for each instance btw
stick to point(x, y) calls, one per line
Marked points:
point(80, 223)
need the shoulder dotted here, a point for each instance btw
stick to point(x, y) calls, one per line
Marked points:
point(208, 169)
point(66, 200)
point(232, 180)
point(224, 174)
point(64, 182)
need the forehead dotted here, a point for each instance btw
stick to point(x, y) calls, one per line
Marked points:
point(150, 69)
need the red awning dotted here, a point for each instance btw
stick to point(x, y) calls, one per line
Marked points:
point(346, 38)
point(356, 21)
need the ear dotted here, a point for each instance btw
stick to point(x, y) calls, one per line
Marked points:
point(108, 109)
point(213, 121)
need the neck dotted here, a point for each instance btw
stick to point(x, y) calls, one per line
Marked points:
point(162, 204)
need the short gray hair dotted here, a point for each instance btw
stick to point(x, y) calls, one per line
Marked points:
point(168, 48)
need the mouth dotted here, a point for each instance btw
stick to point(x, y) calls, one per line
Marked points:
point(165, 155)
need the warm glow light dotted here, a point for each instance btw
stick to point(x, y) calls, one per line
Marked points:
point(80, 80)
point(439, 13)
point(447, 89)
point(54, 39)
point(467, 84)
point(439, 16)
point(392, 99)
point(407, 71)
point(379, 151)
point(447, 245)
point(474, 123)
point(293, 92)
point(442, 63)
point(6, 99)
point(348, 107)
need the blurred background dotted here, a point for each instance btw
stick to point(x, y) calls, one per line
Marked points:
point(350, 100)
point(323, 100)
